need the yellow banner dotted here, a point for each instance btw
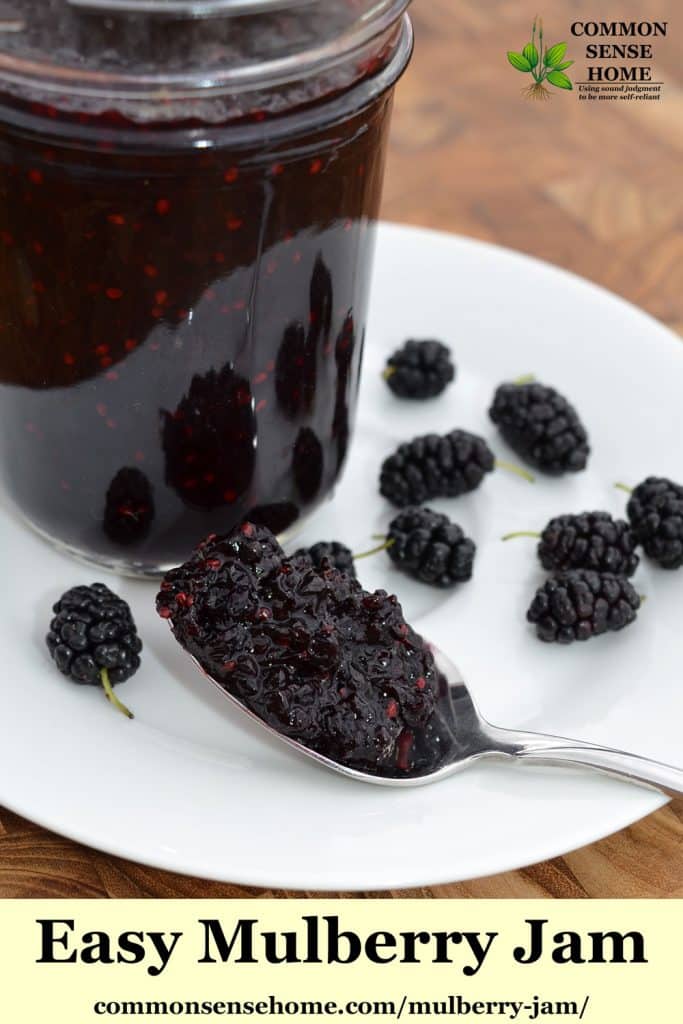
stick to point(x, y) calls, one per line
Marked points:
point(80, 961)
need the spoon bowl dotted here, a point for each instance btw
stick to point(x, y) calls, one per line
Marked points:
point(473, 738)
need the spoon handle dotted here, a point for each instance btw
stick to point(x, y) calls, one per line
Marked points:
point(554, 750)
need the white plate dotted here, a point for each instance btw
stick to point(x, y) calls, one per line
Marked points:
point(193, 787)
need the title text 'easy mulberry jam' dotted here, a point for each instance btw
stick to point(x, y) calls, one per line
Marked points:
point(187, 209)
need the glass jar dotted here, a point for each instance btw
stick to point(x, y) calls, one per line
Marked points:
point(188, 193)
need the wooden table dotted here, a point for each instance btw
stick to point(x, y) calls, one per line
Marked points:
point(592, 187)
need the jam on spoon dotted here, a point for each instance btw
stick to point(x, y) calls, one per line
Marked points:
point(309, 652)
point(337, 672)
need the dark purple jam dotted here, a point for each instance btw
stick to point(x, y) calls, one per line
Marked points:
point(310, 652)
point(181, 327)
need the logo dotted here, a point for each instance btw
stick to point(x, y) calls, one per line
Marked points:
point(545, 64)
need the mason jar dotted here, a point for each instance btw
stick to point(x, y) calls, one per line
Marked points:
point(188, 198)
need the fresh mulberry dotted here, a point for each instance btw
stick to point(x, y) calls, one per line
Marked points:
point(129, 507)
point(580, 604)
point(209, 440)
point(344, 354)
point(429, 547)
point(93, 639)
point(321, 302)
point(308, 463)
point(655, 511)
point(295, 371)
point(329, 553)
point(420, 369)
point(433, 466)
point(591, 540)
point(541, 426)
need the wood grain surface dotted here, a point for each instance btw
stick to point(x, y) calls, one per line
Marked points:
point(596, 188)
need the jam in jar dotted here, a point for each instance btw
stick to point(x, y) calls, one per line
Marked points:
point(187, 208)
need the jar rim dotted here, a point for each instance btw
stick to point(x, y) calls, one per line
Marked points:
point(204, 135)
point(186, 8)
point(52, 78)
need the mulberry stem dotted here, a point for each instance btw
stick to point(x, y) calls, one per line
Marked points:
point(388, 372)
point(512, 468)
point(388, 542)
point(624, 487)
point(521, 533)
point(111, 696)
point(527, 378)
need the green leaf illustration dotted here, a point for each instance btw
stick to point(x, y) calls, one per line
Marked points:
point(531, 54)
point(565, 64)
point(518, 61)
point(554, 55)
point(559, 79)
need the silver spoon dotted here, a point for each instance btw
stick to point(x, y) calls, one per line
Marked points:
point(473, 738)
